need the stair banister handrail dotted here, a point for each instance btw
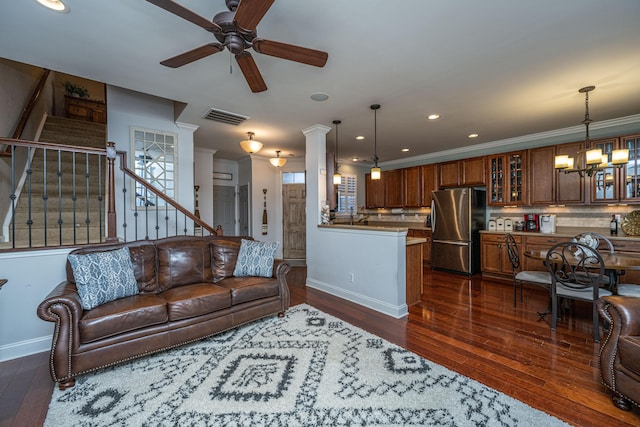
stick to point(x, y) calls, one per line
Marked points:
point(53, 146)
point(26, 113)
point(154, 190)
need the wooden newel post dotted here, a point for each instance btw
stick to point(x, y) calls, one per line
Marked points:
point(111, 193)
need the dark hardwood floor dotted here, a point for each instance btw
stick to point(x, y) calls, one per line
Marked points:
point(467, 325)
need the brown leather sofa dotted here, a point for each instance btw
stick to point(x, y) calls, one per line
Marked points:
point(187, 292)
point(620, 351)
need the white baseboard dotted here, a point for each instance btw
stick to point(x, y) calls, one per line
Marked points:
point(25, 348)
point(396, 311)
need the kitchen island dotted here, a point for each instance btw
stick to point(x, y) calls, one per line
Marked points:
point(375, 266)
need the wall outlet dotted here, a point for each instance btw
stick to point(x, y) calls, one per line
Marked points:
point(351, 277)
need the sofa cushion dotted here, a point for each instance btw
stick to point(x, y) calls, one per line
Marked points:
point(103, 276)
point(255, 258)
point(224, 254)
point(183, 263)
point(123, 315)
point(245, 289)
point(628, 351)
point(143, 258)
point(196, 299)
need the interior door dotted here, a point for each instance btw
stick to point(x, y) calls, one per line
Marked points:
point(224, 208)
point(294, 221)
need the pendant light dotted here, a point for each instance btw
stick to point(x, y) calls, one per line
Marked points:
point(250, 145)
point(375, 170)
point(337, 178)
point(278, 161)
point(590, 160)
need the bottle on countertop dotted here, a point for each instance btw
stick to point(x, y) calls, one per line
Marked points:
point(613, 225)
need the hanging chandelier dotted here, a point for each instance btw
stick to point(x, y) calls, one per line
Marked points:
point(590, 160)
point(337, 178)
point(278, 161)
point(250, 145)
point(375, 170)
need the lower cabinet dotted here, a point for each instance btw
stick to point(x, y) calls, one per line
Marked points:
point(494, 259)
point(538, 243)
point(426, 247)
point(630, 248)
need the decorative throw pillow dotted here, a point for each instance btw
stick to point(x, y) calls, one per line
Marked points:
point(255, 258)
point(103, 276)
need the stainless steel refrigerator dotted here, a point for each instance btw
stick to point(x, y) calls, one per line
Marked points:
point(457, 216)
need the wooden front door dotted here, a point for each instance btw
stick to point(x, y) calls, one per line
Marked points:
point(294, 221)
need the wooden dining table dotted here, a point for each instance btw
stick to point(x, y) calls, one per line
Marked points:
point(615, 264)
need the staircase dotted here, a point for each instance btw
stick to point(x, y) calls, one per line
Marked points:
point(74, 184)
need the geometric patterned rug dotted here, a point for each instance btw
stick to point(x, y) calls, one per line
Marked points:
point(306, 369)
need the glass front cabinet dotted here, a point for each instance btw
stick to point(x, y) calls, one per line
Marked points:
point(507, 179)
point(631, 172)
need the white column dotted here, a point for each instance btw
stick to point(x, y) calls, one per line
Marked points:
point(316, 167)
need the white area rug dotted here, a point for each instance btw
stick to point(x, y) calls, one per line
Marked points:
point(307, 369)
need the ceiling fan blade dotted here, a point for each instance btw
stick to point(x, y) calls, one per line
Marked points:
point(251, 73)
point(250, 12)
point(185, 13)
point(291, 52)
point(192, 55)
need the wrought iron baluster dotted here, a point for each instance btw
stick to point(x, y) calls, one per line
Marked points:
point(60, 221)
point(87, 198)
point(74, 195)
point(13, 196)
point(100, 207)
point(44, 194)
point(29, 173)
point(124, 204)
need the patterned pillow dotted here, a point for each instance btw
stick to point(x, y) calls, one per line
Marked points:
point(255, 258)
point(103, 276)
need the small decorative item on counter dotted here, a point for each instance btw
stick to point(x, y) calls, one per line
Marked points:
point(631, 223)
point(613, 225)
point(324, 214)
point(499, 224)
point(508, 224)
point(492, 225)
point(519, 226)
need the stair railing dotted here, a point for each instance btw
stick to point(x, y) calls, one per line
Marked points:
point(43, 204)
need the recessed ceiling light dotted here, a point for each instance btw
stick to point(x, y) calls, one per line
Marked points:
point(473, 135)
point(433, 116)
point(355, 159)
point(405, 150)
point(359, 137)
point(56, 5)
point(319, 96)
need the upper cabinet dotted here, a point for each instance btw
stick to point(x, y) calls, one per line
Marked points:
point(542, 175)
point(393, 188)
point(606, 185)
point(412, 180)
point(630, 174)
point(374, 191)
point(569, 186)
point(507, 179)
point(462, 173)
point(429, 175)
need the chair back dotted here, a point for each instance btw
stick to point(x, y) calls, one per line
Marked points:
point(512, 251)
point(593, 240)
point(575, 266)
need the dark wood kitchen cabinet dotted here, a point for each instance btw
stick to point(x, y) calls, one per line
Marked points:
point(507, 179)
point(429, 182)
point(569, 186)
point(426, 246)
point(393, 189)
point(630, 174)
point(494, 259)
point(412, 179)
point(605, 185)
point(462, 173)
point(374, 191)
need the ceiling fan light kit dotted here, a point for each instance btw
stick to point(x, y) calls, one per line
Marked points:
point(250, 145)
point(236, 30)
point(590, 160)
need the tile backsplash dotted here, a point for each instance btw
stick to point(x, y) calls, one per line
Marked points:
point(567, 216)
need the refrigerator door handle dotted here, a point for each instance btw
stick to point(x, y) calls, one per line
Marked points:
point(433, 214)
point(450, 242)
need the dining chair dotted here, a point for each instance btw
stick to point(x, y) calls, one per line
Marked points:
point(576, 273)
point(610, 280)
point(541, 278)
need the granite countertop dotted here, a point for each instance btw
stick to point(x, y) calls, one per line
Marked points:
point(411, 225)
point(415, 240)
point(569, 232)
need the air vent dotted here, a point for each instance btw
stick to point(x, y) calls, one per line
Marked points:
point(225, 117)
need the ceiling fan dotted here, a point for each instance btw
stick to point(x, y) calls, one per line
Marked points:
point(236, 30)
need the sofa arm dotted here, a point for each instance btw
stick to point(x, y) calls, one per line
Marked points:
point(63, 307)
point(623, 315)
point(280, 270)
